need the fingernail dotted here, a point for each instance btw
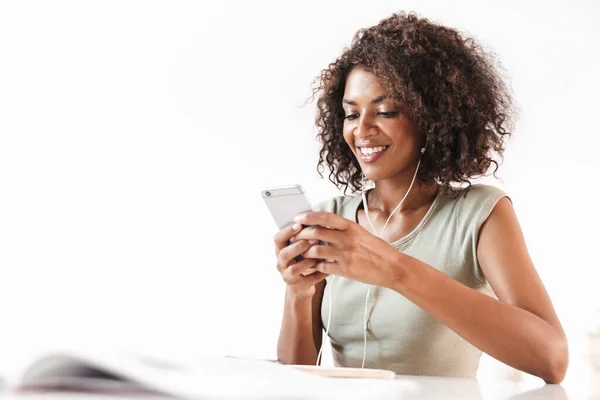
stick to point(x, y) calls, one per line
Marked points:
point(298, 217)
point(313, 242)
point(295, 227)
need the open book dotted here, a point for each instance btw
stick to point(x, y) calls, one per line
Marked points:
point(220, 378)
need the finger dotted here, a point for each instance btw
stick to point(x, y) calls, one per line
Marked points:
point(294, 271)
point(283, 236)
point(323, 218)
point(322, 252)
point(288, 253)
point(316, 232)
point(307, 281)
point(328, 267)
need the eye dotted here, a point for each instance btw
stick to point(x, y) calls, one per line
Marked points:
point(351, 117)
point(389, 114)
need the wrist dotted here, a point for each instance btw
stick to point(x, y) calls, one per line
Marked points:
point(399, 271)
point(299, 298)
point(299, 307)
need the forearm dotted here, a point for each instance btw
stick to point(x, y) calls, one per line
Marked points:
point(512, 335)
point(296, 343)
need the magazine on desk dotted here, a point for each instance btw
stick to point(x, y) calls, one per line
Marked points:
point(215, 378)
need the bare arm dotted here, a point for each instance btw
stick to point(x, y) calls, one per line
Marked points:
point(301, 332)
point(521, 328)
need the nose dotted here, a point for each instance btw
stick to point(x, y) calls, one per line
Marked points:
point(364, 127)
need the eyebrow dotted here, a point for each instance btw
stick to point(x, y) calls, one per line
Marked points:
point(374, 101)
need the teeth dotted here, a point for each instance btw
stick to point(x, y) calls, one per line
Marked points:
point(370, 150)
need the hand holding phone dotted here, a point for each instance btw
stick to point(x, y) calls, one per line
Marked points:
point(284, 203)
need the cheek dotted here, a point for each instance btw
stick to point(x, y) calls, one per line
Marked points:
point(403, 132)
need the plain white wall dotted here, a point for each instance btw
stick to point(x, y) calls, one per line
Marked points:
point(135, 137)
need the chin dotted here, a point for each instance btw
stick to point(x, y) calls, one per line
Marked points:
point(375, 175)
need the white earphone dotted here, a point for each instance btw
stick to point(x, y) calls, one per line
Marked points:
point(366, 318)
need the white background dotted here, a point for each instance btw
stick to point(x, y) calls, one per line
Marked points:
point(135, 137)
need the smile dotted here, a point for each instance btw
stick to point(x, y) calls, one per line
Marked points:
point(370, 154)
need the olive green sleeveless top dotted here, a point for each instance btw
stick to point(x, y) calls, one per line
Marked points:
point(401, 336)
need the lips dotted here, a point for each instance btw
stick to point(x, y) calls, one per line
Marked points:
point(372, 153)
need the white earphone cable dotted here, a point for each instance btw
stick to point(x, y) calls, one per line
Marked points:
point(366, 319)
point(364, 197)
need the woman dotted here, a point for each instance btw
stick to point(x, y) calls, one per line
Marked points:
point(423, 271)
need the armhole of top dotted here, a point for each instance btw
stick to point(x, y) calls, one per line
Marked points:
point(482, 216)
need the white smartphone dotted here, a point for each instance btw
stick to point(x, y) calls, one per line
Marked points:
point(285, 202)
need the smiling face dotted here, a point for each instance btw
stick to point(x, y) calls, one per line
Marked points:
point(379, 129)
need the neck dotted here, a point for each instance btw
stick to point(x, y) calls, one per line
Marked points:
point(389, 192)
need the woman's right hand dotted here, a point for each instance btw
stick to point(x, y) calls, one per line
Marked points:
point(300, 282)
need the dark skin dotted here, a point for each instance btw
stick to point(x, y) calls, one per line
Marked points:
point(521, 328)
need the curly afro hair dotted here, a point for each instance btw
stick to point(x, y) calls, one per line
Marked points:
point(458, 99)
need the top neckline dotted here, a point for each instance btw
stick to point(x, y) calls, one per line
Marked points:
point(412, 233)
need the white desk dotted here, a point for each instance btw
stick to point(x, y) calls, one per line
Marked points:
point(409, 388)
point(240, 379)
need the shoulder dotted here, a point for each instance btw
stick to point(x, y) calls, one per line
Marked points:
point(479, 198)
point(480, 192)
point(473, 206)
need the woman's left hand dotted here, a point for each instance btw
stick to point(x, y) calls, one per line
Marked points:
point(353, 252)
